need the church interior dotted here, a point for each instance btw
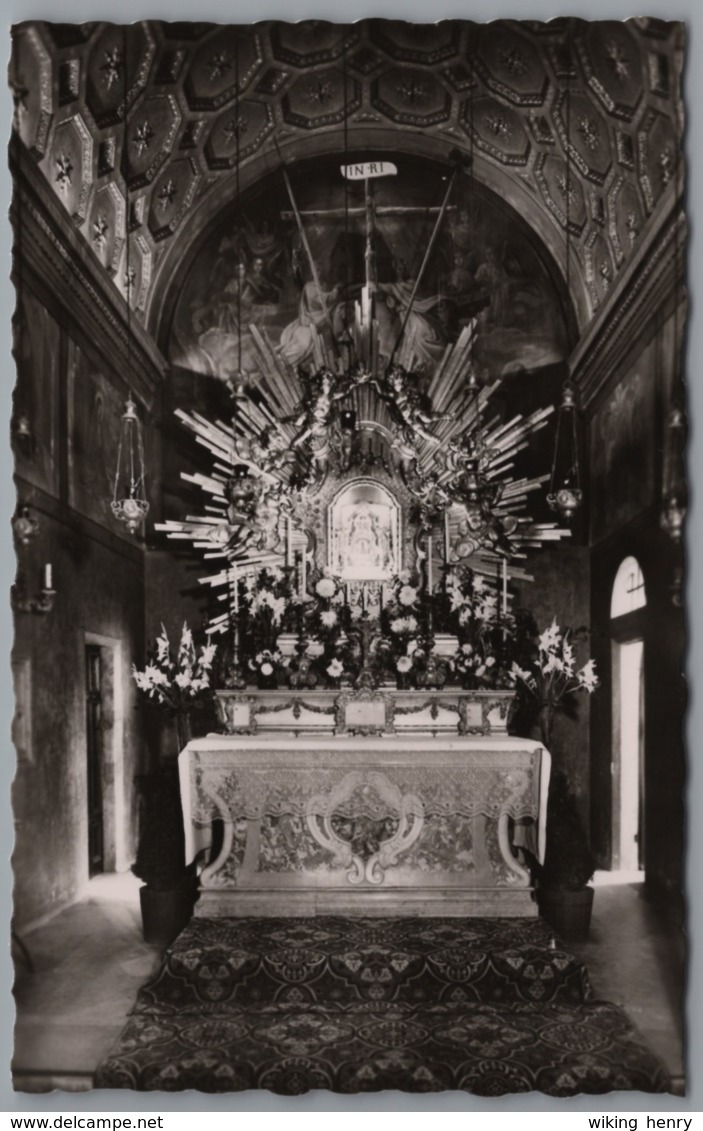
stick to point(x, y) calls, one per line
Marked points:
point(356, 480)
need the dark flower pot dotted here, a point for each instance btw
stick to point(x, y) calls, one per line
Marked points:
point(166, 913)
point(568, 912)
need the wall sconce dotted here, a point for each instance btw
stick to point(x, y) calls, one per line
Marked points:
point(24, 526)
point(42, 603)
point(674, 483)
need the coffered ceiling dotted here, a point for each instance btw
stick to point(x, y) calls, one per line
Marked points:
point(150, 128)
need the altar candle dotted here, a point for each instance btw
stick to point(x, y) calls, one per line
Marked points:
point(429, 564)
point(47, 576)
point(289, 543)
point(446, 538)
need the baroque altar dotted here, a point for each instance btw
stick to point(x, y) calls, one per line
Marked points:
point(301, 825)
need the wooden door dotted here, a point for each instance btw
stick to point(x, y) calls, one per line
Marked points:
point(94, 743)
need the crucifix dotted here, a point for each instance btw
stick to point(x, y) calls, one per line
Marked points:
point(368, 171)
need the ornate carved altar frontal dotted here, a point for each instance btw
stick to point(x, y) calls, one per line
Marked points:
point(377, 825)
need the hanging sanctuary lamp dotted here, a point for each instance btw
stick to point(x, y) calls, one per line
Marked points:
point(565, 496)
point(129, 503)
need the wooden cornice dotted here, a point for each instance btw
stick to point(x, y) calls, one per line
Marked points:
point(644, 294)
point(50, 247)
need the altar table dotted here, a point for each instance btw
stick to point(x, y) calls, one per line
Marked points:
point(375, 825)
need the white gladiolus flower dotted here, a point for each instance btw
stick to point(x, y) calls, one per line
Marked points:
point(550, 638)
point(183, 679)
point(587, 676)
point(162, 646)
point(520, 673)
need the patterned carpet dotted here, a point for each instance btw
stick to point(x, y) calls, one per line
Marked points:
point(419, 1005)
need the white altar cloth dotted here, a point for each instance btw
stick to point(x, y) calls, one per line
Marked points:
point(363, 803)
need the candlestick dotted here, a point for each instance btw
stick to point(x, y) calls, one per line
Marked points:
point(47, 576)
point(429, 564)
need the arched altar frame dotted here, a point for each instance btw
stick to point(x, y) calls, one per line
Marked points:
point(385, 491)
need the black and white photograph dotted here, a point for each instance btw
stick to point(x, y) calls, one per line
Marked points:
point(349, 435)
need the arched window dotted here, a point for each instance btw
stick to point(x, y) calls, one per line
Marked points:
point(628, 589)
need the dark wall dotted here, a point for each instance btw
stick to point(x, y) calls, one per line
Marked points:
point(99, 599)
point(71, 399)
point(627, 443)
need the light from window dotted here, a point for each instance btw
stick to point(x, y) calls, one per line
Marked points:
point(628, 589)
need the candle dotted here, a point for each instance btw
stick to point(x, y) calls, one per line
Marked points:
point(47, 576)
point(289, 543)
point(446, 538)
point(429, 564)
point(364, 598)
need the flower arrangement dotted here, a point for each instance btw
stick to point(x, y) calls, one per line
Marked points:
point(265, 596)
point(474, 667)
point(266, 664)
point(551, 675)
point(177, 683)
point(486, 638)
point(406, 640)
point(549, 679)
point(180, 683)
point(327, 640)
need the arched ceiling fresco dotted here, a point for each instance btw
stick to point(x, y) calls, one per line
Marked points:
point(566, 120)
point(253, 269)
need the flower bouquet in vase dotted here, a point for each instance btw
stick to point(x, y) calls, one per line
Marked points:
point(551, 679)
point(177, 684)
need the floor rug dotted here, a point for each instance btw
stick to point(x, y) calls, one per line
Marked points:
point(491, 1007)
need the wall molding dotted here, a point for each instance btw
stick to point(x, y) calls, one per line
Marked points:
point(642, 298)
point(47, 247)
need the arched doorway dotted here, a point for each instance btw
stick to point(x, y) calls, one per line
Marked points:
point(627, 620)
